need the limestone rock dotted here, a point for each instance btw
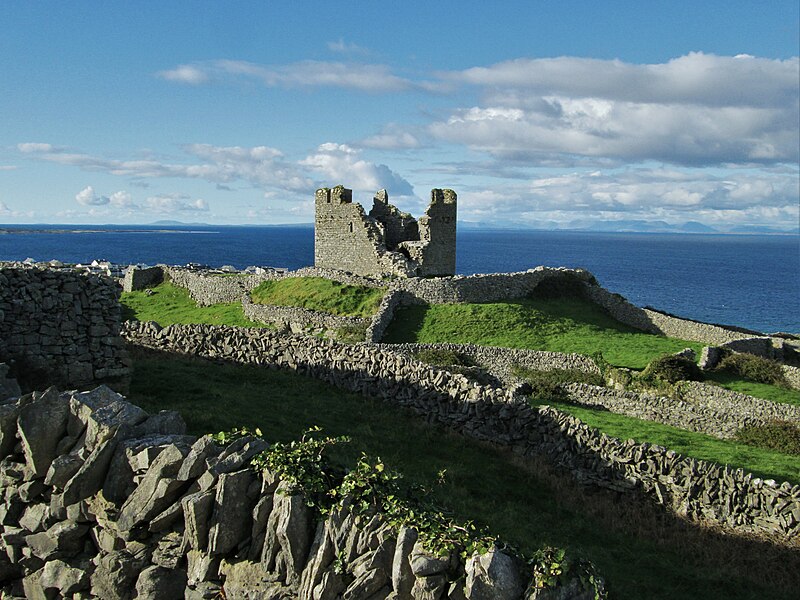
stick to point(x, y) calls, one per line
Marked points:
point(158, 583)
point(64, 539)
point(157, 490)
point(232, 519)
point(402, 574)
point(197, 509)
point(67, 579)
point(41, 424)
point(493, 576)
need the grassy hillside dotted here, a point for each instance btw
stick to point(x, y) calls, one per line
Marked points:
point(644, 552)
point(554, 324)
point(169, 304)
point(317, 293)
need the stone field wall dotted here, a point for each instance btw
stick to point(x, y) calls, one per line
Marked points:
point(700, 490)
point(705, 408)
point(298, 319)
point(62, 324)
point(500, 362)
point(102, 500)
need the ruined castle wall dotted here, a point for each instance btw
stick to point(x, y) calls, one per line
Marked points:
point(102, 500)
point(62, 324)
point(700, 490)
point(437, 230)
point(344, 238)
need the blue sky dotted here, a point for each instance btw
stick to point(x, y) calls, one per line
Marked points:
point(539, 114)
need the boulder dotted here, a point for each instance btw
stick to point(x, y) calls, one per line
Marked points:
point(158, 583)
point(493, 576)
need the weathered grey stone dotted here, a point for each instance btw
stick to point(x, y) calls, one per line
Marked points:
point(67, 579)
point(289, 536)
point(104, 411)
point(157, 490)
point(195, 462)
point(201, 566)
point(64, 539)
point(232, 519)
point(424, 564)
point(116, 574)
point(247, 580)
point(432, 587)
point(9, 388)
point(35, 517)
point(235, 456)
point(41, 424)
point(62, 469)
point(206, 590)
point(197, 510)
point(92, 473)
point(493, 576)
point(261, 512)
point(158, 583)
point(34, 590)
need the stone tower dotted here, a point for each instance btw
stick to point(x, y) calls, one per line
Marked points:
point(387, 241)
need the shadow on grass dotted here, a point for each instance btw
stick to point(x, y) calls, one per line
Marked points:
point(644, 551)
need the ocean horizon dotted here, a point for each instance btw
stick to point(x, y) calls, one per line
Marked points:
point(746, 280)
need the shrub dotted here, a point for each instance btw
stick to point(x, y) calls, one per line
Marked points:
point(443, 358)
point(351, 334)
point(671, 369)
point(754, 368)
point(778, 435)
point(546, 385)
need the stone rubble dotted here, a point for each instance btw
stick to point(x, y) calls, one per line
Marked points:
point(193, 520)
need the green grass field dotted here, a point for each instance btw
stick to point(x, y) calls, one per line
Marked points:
point(170, 304)
point(317, 293)
point(644, 552)
point(770, 392)
point(559, 325)
point(765, 463)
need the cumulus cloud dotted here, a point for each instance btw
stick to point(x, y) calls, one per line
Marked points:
point(671, 195)
point(392, 137)
point(341, 163)
point(28, 147)
point(88, 197)
point(697, 109)
point(123, 200)
point(373, 78)
point(8, 167)
point(173, 203)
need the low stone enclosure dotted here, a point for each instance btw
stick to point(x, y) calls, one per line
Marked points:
point(701, 491)
point(206, 289)
point(102, 500)
point(61, 324)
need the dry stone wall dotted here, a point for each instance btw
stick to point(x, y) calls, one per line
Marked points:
point(703, 491)
point(102, 500)
point(61, 324)
point(207, 288)
point(299, 319)
point(500, 362)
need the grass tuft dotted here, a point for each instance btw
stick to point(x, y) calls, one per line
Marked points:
point(563, 324)
point(318, 293)
point(168, 304)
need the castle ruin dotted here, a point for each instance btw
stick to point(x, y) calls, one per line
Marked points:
point(387, 241)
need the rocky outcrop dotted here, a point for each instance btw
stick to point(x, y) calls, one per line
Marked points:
point(117, 504)
point(703, 491)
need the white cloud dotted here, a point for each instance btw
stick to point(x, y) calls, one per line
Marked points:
point(123, 200)
point(646, 194)
point(172, 203)
point(371, 78)
point(697, 109)
point(340, 163)
point(185, 74)
point(88, 197)
point(4, 210)
point(392, 137)
point(342, 47)
point(8, 167)
point(28, 147)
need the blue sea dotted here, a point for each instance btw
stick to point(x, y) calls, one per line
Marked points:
point(750, 281)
